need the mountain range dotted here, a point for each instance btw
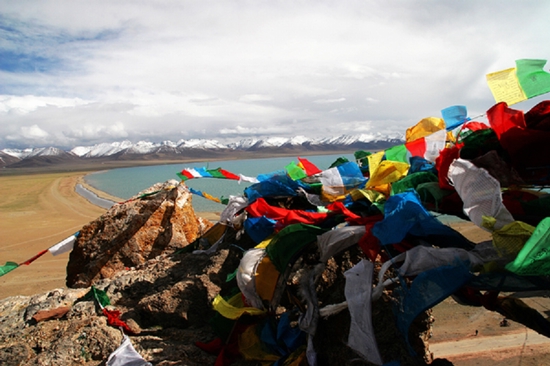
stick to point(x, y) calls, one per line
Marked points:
point(192, 149)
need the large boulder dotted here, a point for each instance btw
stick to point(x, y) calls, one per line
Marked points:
point(156, 221)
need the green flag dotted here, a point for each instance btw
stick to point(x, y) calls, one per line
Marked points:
point(397, 153)
point(534, 258)
point(295, 172)
point(8, 267)
point(99, 295)
point(532, 78)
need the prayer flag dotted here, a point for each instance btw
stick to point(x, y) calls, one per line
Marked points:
point(358, 291)
point(338, 181)
point(234, 307)
point(295, 172)
point(8, 267)
point(309, 167)
point(64, 246)
point(417, 147)
point(424, 127)
point(29, 261)
point(126, 355)
point(397, 153)
point(532, 78)
point(505, 86)
point(480, 193)
point(534, 258)
point(454, 116)
point(428, 289)
point(434, 144)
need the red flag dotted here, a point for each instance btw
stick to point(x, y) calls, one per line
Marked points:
point(29, 261)
point(417, 147)
point(113, 318)
point(309, 167)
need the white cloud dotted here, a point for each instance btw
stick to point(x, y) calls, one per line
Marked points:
point(252, 98)
point(324, 101)
point(33, 132)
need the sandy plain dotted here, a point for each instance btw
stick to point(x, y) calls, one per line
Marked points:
point(39, 210)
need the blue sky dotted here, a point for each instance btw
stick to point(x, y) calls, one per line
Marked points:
point(84, 72)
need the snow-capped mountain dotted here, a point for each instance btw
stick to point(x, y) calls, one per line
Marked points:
point(201, 148)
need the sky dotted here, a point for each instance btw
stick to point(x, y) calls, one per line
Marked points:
point(78, 73)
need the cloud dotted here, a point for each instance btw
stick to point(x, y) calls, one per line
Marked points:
point(91, 72)
point(33, 132)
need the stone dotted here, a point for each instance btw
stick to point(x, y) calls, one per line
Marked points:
point(156, 221)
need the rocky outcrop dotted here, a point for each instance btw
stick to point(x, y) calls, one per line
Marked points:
point(156, 221)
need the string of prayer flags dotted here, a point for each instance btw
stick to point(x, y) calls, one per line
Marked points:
point(62, 247)
point(516, 84)
point(190, 173)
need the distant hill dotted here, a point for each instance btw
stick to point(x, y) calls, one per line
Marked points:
point(142, 151)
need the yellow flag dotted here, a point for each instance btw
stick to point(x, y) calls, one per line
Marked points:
point(374, 161)
point(234, 308)
point(388, 172)
point(505, 86)
point(425, 127)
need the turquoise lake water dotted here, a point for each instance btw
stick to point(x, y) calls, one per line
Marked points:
point(127, 182)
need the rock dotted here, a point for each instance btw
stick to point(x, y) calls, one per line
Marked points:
point(56, 313)
point(158, 220)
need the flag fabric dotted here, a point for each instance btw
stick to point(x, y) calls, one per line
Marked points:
point(64, 246)
point(428, 289)
point(234, 308)
point(434, 144)
point(8, 267)
point(424, 127)
point(374, 161)
point(454, 116)
point(126, 355)
point(417, 147)
point(340, 180)
point(113, 319)
point(397, 153)
point(388, 172)
point(480, 192)
point(505, 86)
point(308, 167)
point(29, 261)
point(534, 258)
point(294, 171)
point(532, 78)
point(358, 290)
point(246, 273)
